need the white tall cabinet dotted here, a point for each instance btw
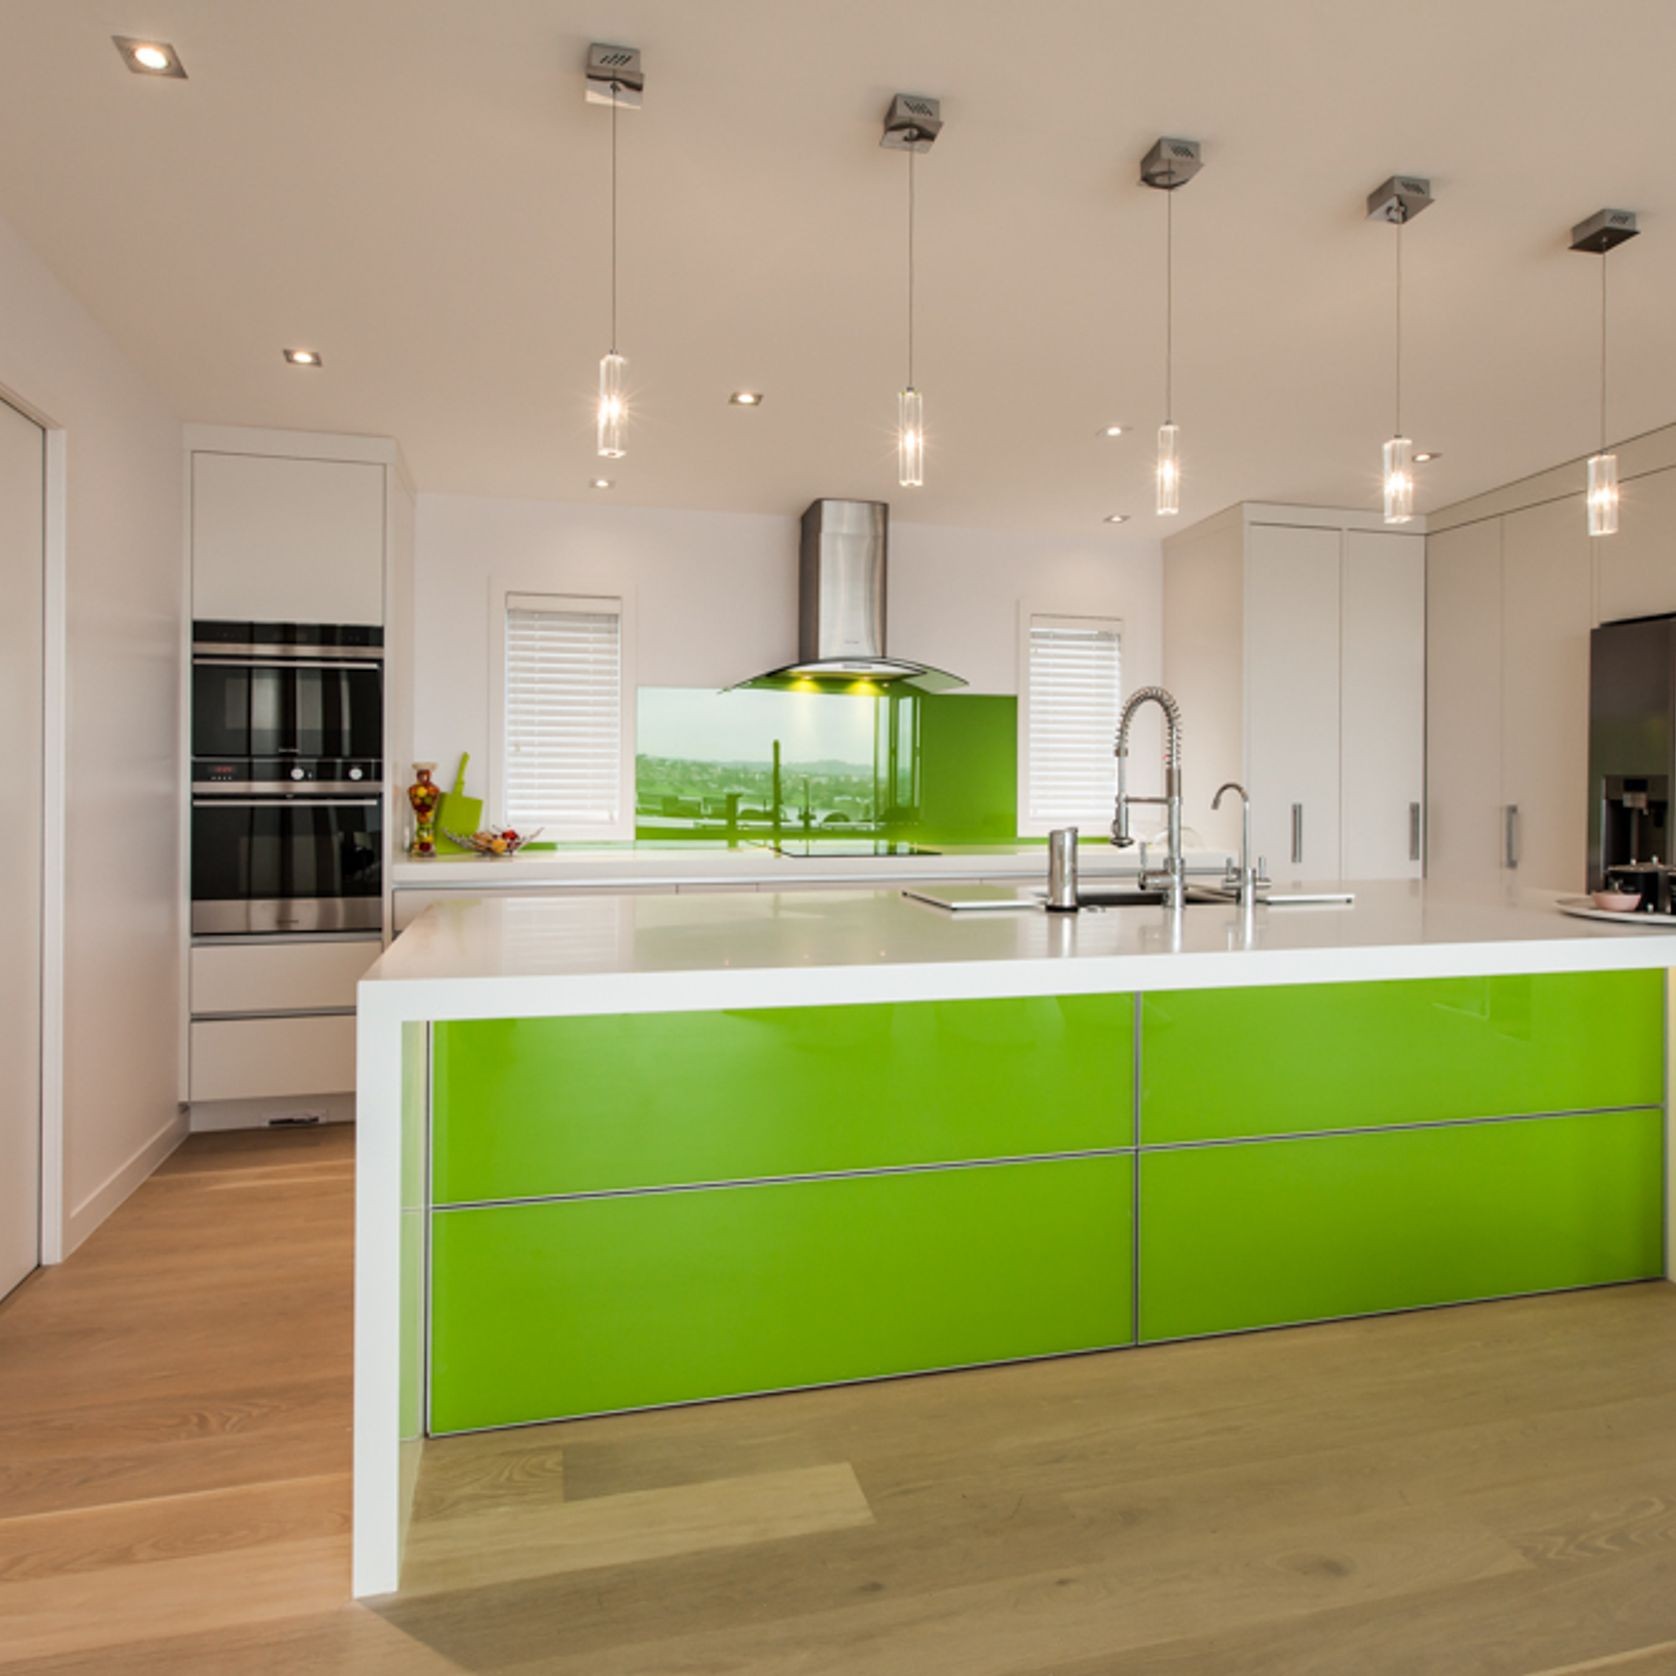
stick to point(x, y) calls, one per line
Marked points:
point(292, 527)
point(1294, 638)
point(1514, 595)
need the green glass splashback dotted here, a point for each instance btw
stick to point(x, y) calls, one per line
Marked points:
point(911, 767)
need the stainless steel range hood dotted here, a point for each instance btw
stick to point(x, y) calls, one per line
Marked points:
point(844, 563)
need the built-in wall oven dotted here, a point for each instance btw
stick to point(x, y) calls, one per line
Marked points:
point(287, 778)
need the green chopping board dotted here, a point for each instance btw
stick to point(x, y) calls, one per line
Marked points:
point(457, 813)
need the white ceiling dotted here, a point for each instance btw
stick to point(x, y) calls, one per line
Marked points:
point(417, 188)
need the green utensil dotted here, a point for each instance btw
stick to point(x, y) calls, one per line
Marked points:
point(457, 813)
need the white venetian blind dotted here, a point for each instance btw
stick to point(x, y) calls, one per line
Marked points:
point(564, 711)
point(1074, 695)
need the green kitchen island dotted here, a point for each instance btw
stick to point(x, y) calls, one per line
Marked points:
point(623, 1151)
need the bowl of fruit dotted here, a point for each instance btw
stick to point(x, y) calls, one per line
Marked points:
point(487, 841)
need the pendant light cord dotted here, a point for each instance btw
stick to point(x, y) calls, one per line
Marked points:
point(911, 139)
point(1398, 430)
point(1603, 352)
point(1169, 305)
point(616, 89)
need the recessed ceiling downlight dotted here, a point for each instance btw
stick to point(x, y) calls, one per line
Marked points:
point(1117, 518)
point(150, 58)
point(745, 398)
point(1111, 430)
point(1426, 456)
point(601, 483)
point(304, 357)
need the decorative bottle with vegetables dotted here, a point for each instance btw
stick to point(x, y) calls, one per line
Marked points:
point(424, 794)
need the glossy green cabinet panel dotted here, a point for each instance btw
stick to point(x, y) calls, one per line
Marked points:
point(1217, 1064)
point(1265, 1232)
point(583, 1305)
point(526, 1108)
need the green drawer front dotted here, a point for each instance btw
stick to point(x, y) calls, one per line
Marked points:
point(540, 1311)
point(530, 1107)
point(1219, 1064)
point(1267, 1232)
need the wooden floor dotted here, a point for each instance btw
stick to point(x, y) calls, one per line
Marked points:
point(1482, 1490)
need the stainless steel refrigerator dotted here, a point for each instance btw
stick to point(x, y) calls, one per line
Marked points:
point(1632, 748)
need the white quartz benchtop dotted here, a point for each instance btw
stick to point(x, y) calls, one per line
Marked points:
point(683, 862)
point(517, 956)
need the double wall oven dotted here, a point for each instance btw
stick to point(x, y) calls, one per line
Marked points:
point(287, 778)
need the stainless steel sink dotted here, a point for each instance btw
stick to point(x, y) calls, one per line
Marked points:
point(1118, 896)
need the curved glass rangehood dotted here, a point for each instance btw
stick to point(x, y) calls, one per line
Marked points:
point(843, 567)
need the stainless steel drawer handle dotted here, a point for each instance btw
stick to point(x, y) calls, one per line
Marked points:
point(1510, 851)
point(1414, 832)
point(1297, 833)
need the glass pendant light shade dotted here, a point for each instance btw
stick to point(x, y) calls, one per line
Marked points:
point(1399, 480)
point(613, 405)
point(910, 438)
point(1603, 494)
point(1169, 470)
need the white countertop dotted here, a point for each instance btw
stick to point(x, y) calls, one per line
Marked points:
point(523, 956)
point(674, 863)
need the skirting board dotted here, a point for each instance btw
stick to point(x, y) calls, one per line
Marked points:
point(208, 1116)
point(122, 1181)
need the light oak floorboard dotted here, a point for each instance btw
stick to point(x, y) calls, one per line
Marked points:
point(1488, 1491)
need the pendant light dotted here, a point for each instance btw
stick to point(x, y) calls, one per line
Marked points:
point(1169, 165)
point(912, 123)
point(1398, 200)
point(614, 79)
point(1602, 232)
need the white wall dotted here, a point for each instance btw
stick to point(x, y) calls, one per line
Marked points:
point(715, 598)
point(123, 572)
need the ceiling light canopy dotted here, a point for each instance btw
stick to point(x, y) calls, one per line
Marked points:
point(1398, 200)
point(912, 123)
point(614, 78)
point(150, 58)
point(304, 357)
point(1167, 167)
point(1601, 234)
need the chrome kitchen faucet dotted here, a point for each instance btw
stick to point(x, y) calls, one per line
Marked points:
point(1175, 888)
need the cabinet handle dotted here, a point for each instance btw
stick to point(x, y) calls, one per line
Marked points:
point(1297, 833)
point(1414, 832)
point(1510, 853)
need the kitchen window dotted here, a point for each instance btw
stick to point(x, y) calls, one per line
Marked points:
point(1073, 695)
point(565, 734)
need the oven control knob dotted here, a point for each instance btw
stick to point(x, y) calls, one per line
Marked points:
point(354, 773)
point(299, 774)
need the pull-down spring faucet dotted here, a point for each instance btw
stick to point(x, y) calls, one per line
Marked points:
point(1175, 889)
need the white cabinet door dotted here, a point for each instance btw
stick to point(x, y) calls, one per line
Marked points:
point(1638, 564)
point(1464, 834)
point(1292, 699)
point(287, 541)
point(22, 571)
point(1546, 595)
point(1382, 711)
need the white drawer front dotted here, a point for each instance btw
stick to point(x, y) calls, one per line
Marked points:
point(278, 977)
point(248, 1058)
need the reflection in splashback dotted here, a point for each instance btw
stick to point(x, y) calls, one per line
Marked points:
point(742, 765)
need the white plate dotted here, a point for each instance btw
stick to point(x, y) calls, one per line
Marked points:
point(1582, 907)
